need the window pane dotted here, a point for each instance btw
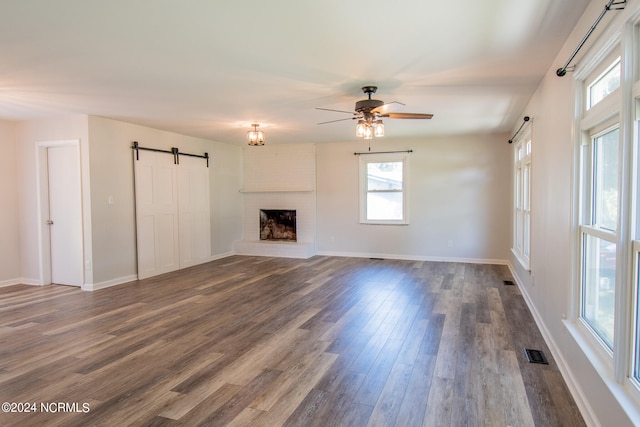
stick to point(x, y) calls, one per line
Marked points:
point(526, 197)
point(598, 286)
point(605, 84)
point(384, 206)
point(518, 184)
point(527, 233)
point(384, 176)
point(606, 180)
point(519, 229)
point(636, 367)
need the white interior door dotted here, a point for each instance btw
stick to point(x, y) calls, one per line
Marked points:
point(194, 211)
point(156, 214)
point(65, 214)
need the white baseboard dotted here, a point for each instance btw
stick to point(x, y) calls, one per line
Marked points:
point(576, 392)
point(220, 256)
point(109, 283)
point(9, 282)
point(134, 277)
point(414, 257)
point(20, 281)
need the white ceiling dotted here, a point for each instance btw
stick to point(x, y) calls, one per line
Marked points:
point(209, 68)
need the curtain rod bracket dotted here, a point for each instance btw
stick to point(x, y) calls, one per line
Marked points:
point(525, 120)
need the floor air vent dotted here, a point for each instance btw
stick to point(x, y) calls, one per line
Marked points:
point(535, 356)
point(509, 283)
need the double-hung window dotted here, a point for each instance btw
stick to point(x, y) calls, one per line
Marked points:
point(599, 201)
point(607, 298)
point(384, 188)
point(599, 233)
point(522, 198)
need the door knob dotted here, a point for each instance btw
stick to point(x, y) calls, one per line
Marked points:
point(49, 222)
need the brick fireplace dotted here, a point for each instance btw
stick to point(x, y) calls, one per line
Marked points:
point(282, 181)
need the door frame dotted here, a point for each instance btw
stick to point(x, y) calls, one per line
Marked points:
point(42, 188)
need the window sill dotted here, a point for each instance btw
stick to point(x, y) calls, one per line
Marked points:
point(384, 223)
point(524, 263)
point(627, 395)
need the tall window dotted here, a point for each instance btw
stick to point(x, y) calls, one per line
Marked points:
point(522, 199)
point(608, 237)
point(600, 199)
point(599, 234)
point(383, 188)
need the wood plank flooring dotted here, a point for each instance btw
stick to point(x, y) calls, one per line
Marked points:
point(253, 341)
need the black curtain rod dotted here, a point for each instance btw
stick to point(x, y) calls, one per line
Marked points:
point(560, 72)
point(174, 151)
point(526, 119)
point(382, 152)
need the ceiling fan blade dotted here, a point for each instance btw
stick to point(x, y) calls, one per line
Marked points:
point(339, 120)
point(337, 111)
point(388, 108)
point(407, 115)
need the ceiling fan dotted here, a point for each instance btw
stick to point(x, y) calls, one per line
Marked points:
point(369, 113)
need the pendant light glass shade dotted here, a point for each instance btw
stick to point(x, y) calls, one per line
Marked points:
point(255, 136)
point(367, 129)
point(368, 132)
point(378, 128)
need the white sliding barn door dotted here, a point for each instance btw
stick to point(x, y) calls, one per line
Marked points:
point(172, 213)
point(156, 214)
point(193, 211)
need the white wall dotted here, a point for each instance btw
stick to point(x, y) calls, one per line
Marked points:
point(548, 287)
point(114, 251)
point(107, 173)
point(459, 195)
point(9, 218)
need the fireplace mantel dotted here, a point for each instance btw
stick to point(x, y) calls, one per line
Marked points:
point(276, 190)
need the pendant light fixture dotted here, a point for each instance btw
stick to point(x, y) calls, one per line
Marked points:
point(378, 128)
point(255, 136)
point(368, 128)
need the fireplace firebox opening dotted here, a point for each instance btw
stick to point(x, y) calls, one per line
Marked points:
point(278, 224)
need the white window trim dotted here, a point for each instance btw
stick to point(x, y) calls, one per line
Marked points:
point(379, 158)
point(518, 248)
point(615, 368)
point(602, 118)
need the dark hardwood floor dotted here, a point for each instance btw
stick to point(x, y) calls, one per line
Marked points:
point(250, 341)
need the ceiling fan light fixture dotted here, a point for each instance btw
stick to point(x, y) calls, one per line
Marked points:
point(360, 128)
point(369, 113)
point(255, 136)
point(368, 131)
point(378, 128)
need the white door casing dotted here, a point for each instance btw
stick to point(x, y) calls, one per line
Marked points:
point(60, 220)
